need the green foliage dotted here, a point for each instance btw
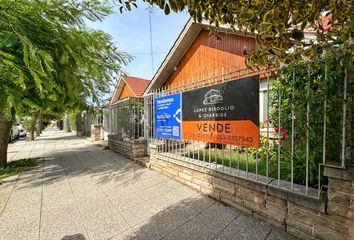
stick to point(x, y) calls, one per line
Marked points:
point(278, 25)
point(242, 162)
point(16, 167)
point(72, 116)
point(127, 117)
point(259, 164)
point(50, 60)
point(27, 124)
point(304, 87)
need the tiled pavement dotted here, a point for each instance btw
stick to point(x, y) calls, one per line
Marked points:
point(81, 191)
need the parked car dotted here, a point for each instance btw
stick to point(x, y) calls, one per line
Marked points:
point(23, 132)
point(14, 133)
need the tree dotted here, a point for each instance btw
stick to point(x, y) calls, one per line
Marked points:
point(49, 59)
point(277, 24)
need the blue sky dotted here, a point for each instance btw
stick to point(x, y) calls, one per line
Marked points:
point(130, 32)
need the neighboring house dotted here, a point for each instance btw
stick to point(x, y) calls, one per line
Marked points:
point(123, 116)
point(129, 87)
point(123, 119)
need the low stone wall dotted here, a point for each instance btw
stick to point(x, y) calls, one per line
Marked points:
point(79, 133)
point(133, 149)
point(340, 203)
point(96, 132)
point(303, 217)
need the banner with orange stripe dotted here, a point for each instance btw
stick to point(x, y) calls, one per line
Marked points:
point(226, 113)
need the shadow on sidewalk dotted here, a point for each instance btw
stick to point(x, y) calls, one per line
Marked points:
point(78, 236)
point(95, 162)
point(197, 218)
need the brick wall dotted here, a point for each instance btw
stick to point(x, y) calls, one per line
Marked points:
point(133, 149)
point(301, 216)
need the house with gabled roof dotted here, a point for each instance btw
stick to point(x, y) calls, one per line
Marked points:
point(123, 119)
point(195, 59)
point(129, 87)
point(200, 57)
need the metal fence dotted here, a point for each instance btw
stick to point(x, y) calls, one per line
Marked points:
point(85, 120)
point(125, 119)
point(97, 117)
point(106, 120)
point(83, 123)
point(304, 125)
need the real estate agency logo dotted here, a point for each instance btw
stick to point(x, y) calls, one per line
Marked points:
point(212, 97)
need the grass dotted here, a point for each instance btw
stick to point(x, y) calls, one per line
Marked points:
point(237, 160)
point(240, 161)
point(16, 167)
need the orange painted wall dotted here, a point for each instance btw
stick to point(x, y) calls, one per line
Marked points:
point(126, 92)
point(209, 54)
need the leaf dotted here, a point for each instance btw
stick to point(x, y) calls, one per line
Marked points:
point(8, 62)
point(160, 3)
point(246, 14)
point(173, 5)
point(64, 57)
point(26, 53)
point(180, 5)
point(30, 103)
point(7, 55)
point(167, 9)
point(127, 5)
point(268, 13)
point(21, 80)
point(264, 27)
point(38, 83)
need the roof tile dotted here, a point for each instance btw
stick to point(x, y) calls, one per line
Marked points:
point(137, 85)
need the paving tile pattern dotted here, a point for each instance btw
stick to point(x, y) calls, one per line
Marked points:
point(82, 191)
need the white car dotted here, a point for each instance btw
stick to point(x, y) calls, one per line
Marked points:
point(14, 133)
point(22, 130)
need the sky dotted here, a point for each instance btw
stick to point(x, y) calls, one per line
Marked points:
point(131, 33)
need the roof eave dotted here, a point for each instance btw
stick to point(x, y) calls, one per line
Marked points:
point(131, 89)
point(191, 29)
point(185, 39)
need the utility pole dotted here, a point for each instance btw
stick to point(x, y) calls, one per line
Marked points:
point(151, 11)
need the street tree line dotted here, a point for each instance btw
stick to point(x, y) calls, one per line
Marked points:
point(50, 61)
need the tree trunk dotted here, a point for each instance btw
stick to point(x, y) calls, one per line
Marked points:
point(38, 129)
point(41, 128)
point(32, 130)
point(31, 136)
point(66, 123)
point(33, 126)
point(5, 127)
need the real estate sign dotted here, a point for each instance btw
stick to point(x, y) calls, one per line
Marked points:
point(168, 116)
point(226, 113)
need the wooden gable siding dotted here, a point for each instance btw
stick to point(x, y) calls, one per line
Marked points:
point(209, 54)
point(126, 92)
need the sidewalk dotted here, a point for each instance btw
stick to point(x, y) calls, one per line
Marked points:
point(81, 191)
